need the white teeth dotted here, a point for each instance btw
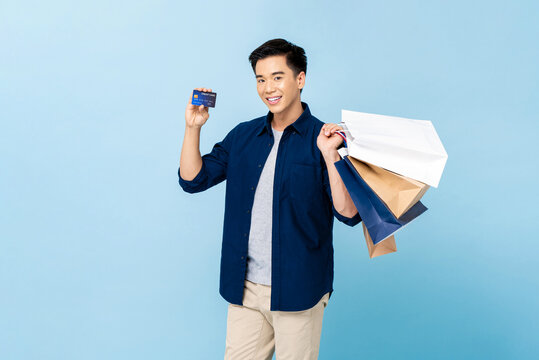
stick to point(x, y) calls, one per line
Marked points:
point(273, 99)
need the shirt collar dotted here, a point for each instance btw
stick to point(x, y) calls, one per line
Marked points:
point(300, 125)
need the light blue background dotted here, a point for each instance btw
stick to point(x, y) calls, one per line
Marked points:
point(102, 256)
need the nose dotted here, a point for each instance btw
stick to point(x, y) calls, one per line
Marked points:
point(269, 87)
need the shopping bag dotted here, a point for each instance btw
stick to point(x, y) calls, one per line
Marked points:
point(398, 192)
point(407, 147)
point(379, 220)
point(383, 247)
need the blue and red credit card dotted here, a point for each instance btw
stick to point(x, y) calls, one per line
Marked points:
point(203, 98)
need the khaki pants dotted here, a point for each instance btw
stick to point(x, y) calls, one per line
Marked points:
point(254, 332)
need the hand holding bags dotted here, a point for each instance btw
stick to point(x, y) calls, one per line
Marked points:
point(391, 164)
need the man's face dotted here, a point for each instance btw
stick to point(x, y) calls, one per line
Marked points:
point(276, 84)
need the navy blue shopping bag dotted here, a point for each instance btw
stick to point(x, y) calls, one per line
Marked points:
point(379, 220)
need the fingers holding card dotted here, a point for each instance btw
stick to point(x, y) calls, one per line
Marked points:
point(203, 98)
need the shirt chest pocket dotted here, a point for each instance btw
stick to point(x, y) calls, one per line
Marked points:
point(305, 182)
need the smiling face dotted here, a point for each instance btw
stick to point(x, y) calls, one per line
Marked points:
point(277, 85)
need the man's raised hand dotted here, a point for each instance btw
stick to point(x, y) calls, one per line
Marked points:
point(196, 116)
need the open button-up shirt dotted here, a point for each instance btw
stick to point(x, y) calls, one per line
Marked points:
point(302, 229)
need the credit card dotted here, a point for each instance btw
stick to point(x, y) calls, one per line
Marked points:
point(203, 98)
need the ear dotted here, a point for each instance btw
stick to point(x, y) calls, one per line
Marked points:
point(300, 80)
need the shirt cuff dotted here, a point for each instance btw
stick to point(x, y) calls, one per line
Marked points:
point(191, 186)
point(353, 221)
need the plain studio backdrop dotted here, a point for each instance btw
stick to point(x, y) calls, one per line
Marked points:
point(103, 256)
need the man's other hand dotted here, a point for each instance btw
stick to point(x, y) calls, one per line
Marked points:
point(327, 140)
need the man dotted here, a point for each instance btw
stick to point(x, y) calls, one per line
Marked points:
point(282, 192)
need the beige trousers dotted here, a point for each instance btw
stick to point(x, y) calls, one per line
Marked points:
point(254, 332)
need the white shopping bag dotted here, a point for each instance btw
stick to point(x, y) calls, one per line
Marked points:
point(405, 146)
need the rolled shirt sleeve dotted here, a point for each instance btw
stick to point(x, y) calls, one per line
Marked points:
point(213, 170)
point(354, 220)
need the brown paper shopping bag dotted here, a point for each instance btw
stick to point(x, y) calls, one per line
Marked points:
point(398, 192)
point(383, 247)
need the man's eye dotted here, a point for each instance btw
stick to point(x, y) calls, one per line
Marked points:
point(277, 77)
point(260, 80)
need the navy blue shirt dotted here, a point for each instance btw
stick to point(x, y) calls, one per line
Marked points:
point(302, 231)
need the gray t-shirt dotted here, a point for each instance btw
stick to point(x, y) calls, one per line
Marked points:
point(259, 249)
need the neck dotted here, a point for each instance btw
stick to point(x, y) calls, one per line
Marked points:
point(288, 116)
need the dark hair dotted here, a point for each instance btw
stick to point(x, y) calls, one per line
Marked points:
point(295, 55)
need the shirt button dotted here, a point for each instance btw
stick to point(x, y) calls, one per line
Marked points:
point(259, 165)
point(248, 211)
point(269, 144)
point(243, 257)
point(245, 234)
point(252, 188)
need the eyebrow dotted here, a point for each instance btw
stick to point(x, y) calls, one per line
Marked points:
point(275, 73)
